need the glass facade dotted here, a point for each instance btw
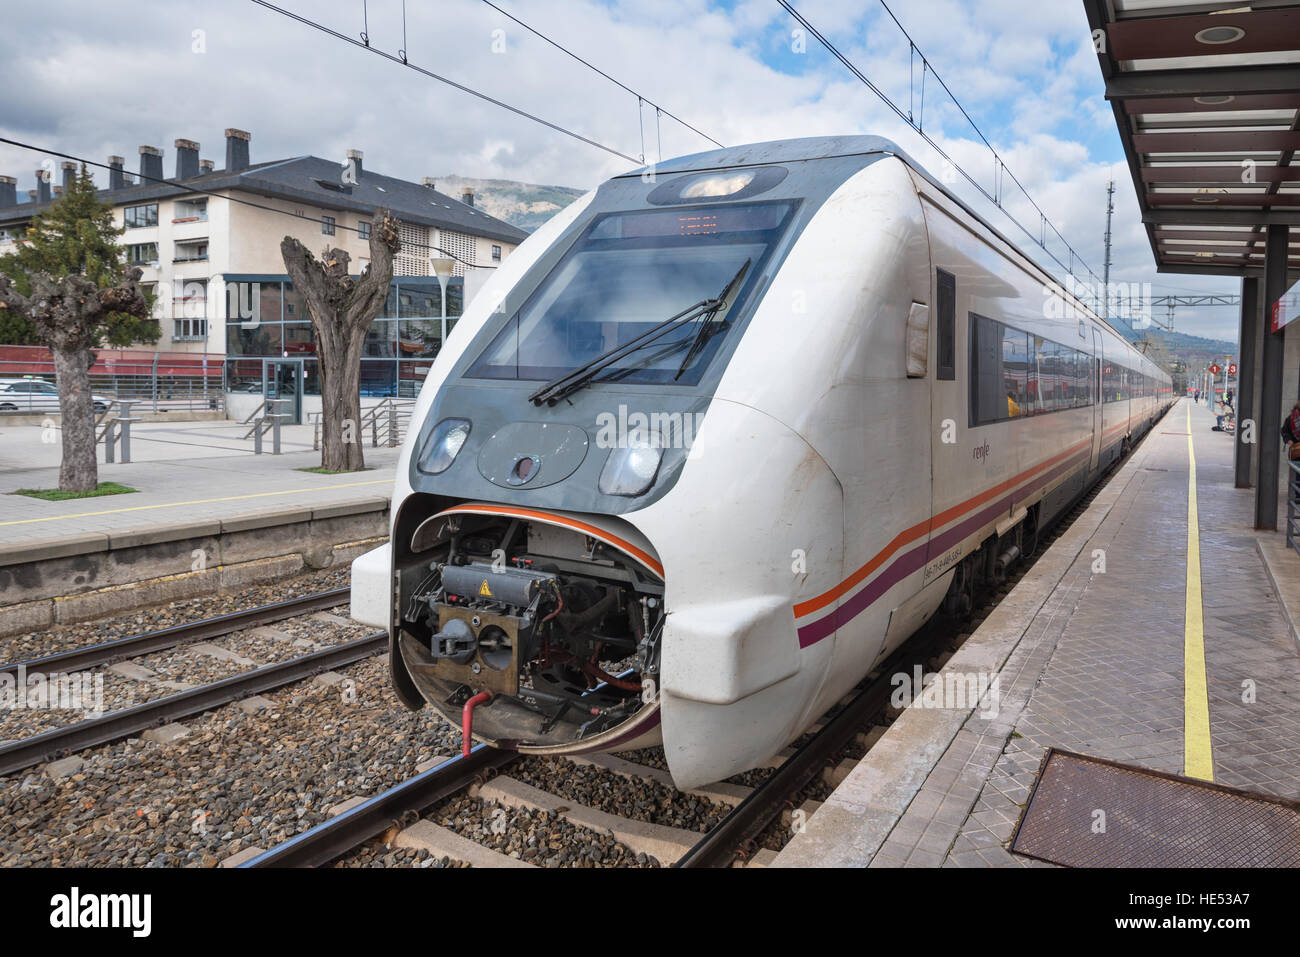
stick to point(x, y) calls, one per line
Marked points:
point(267, 318)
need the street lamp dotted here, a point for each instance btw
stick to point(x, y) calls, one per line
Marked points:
point(442, 268)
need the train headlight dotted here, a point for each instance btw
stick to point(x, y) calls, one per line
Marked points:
point(631, 469)
point(444, 444)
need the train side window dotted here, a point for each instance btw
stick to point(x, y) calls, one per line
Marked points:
point(987, 402)
point(946, 306)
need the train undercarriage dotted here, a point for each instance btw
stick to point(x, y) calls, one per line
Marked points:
point(542, 636)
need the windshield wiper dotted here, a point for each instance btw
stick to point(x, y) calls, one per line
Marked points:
point(571, 382)
point(710, 322)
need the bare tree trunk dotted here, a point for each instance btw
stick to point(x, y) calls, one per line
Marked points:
point(340, 393)
point(341, 310)
point(79, 470)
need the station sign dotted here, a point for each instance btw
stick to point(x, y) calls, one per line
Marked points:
point(1232, 368)
point(1214, 368)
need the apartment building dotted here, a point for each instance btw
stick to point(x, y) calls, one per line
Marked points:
point(208, 242)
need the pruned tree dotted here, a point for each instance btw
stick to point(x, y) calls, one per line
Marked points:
point(67, 284)
point(342, 308)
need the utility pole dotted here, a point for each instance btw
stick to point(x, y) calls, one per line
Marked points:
point(1110, 209)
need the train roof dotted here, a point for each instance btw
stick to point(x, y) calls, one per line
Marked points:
point(809, 148)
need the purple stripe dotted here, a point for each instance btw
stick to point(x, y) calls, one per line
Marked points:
point(910, 561)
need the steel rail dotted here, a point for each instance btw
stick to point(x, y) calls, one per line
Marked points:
point(108, 652)
point(730, 836)
point(335, 837)
point(113, 726)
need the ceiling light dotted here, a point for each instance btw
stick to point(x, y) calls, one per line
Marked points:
point(1218, 100)
point(1217, 35)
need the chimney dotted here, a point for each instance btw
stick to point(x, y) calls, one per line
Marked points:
point(8, 191)
point(150, 164)
point(58, 191)
point(206, 166)
point(429, 182)
point(354, 160)
point(467, 197)
point(42, 187)
point(69, 173)
point(115, 176)
point(187, 159)
point(237, 149)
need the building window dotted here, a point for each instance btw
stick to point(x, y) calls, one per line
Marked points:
point(496, 254)
point(140, 254)
point(138, 216)
point(189, 330)
point(190, 211)
point(191, 251)
point(189, 298)
point(363, 230)
point(327, 225)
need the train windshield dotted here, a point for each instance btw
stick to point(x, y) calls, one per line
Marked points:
point(627, 273)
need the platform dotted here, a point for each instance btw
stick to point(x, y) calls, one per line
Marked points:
point(183, 472)
point(1097, 650)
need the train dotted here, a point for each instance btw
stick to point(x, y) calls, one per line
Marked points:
point(717, 438)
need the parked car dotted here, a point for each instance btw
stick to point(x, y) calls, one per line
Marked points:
point(37, 395)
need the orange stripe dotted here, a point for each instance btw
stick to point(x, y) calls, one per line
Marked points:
point(916, 531)
point(600, 533)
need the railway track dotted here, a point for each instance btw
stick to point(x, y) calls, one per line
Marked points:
point(133, 646)
point(721, 846)
point(116, 725)
point(732, 841)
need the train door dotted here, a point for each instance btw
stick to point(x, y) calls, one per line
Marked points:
point(1095, 460)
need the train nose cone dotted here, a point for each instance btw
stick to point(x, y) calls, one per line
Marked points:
point(532, 454)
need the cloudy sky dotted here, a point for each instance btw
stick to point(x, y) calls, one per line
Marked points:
point(92, 79)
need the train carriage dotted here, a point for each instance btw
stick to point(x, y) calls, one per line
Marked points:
point(717, 438)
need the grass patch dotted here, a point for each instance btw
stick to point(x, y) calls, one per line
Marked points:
point(58, 495)
point(321, 470)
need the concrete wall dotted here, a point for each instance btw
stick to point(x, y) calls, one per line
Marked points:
point(89, 576)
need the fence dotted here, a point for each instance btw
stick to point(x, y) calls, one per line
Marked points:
point(154, 382)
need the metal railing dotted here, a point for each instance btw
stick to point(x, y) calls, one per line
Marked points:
point(1293, 506)
point(267, 417)
point(142, 384)
point(116, 431)
point(387, 423)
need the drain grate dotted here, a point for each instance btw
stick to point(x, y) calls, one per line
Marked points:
point(1088, 812)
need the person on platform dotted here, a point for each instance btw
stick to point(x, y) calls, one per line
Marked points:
point(1198, 396)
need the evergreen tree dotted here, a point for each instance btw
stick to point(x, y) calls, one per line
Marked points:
point(75, 236)
point(66, 283)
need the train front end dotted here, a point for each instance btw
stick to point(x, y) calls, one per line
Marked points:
point(580, 494)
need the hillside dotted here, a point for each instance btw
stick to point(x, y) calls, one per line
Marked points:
point(525, 205)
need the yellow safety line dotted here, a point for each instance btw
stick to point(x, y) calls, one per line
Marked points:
point(197, 501)
point(1198, 757)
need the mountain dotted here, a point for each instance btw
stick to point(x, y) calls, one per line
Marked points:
point(525, 205)
point(1196, 351)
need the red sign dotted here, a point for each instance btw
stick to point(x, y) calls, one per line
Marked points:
point(1232, 368)
point(1214, 369)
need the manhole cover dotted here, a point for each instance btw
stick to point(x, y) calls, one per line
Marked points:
point(1088, 812)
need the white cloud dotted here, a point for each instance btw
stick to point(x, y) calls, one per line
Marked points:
point(92, 79)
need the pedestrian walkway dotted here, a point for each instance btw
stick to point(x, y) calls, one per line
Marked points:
point(183, 472)
point(1151, 634)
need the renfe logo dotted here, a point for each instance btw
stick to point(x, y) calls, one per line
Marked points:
point(980, 452)
point(102, 910)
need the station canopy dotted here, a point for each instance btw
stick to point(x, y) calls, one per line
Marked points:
point(1207, 101)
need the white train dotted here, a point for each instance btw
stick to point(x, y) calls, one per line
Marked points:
point(713, 442)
